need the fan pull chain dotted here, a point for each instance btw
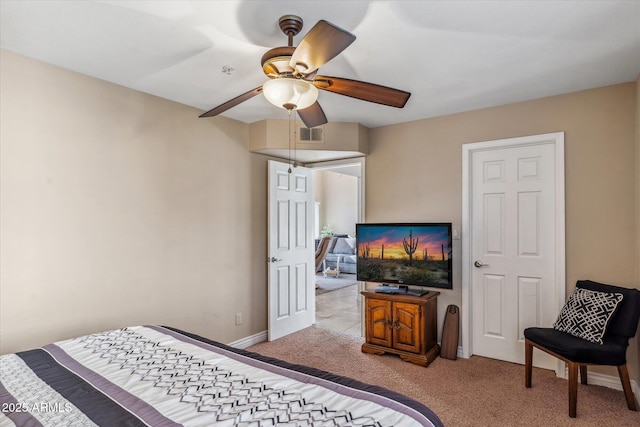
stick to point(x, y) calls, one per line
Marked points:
point(295, 146)
point(289, 135)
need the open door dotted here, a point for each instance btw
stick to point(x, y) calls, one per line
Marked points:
point(291, 248)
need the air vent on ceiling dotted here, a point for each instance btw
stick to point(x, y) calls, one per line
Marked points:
point(310, 135)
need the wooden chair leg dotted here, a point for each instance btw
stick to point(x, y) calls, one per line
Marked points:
point(573, 388)
point(583, 374)
point(528, 362)
point(626, 386)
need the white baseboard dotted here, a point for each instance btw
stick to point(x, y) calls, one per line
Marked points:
point(250, 340)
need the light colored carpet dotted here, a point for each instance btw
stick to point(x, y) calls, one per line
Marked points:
point(329, 284)
point(463, 392)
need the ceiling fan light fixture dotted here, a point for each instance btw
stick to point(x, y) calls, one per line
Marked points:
point(290, 93)
point(294, 75)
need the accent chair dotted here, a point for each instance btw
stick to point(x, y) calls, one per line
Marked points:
point(593, 328)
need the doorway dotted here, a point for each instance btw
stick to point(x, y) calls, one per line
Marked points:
point(339, 192)
point(513, 254)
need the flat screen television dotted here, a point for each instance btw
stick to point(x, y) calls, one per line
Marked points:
point(417, 254)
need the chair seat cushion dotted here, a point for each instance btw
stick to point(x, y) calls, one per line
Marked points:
point(612, 352)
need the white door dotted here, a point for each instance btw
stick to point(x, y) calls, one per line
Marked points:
point(513, 226)
point(291, 250)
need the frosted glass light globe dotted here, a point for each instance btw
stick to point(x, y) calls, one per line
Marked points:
point(290, 93)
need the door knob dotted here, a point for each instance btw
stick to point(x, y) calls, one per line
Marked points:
point(479, 264)
point(273, 259)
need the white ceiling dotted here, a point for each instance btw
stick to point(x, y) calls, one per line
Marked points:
point(452, 56)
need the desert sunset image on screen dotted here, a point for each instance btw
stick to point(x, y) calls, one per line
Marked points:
point(412, 254)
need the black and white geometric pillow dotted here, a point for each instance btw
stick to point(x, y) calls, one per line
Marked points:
point(586, 314)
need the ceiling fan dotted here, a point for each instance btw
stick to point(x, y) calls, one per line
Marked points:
point(294, 75)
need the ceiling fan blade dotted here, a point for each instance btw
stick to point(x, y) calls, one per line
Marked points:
point(322, 43)
point(232, 103)
point(362, 90)
point(312, 116)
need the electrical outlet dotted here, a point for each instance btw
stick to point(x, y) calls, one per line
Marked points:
point(238, 318)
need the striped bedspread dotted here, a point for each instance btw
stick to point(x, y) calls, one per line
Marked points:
point(160, 376)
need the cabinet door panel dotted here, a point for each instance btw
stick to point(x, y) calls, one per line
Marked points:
point(407, 330)
point(378, 316)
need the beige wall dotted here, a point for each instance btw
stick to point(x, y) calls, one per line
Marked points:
point(414, 174)
point(338, 197)
point(121, 208)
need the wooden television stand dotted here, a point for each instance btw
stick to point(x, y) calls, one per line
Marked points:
point(402, 324)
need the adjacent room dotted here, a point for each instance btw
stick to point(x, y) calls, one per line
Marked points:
point(338, 301)
point(163, 211)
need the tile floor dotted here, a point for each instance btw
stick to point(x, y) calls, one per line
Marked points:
point(340, 310)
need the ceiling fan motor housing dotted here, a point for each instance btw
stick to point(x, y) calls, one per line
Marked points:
point(275, 62)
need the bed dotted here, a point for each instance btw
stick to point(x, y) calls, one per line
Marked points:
point(162, 376)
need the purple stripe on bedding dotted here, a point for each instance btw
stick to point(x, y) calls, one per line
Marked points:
point(342, 385)
point(131, 403)
point(20, 418)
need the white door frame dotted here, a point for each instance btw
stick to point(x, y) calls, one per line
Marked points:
point(557, 139)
